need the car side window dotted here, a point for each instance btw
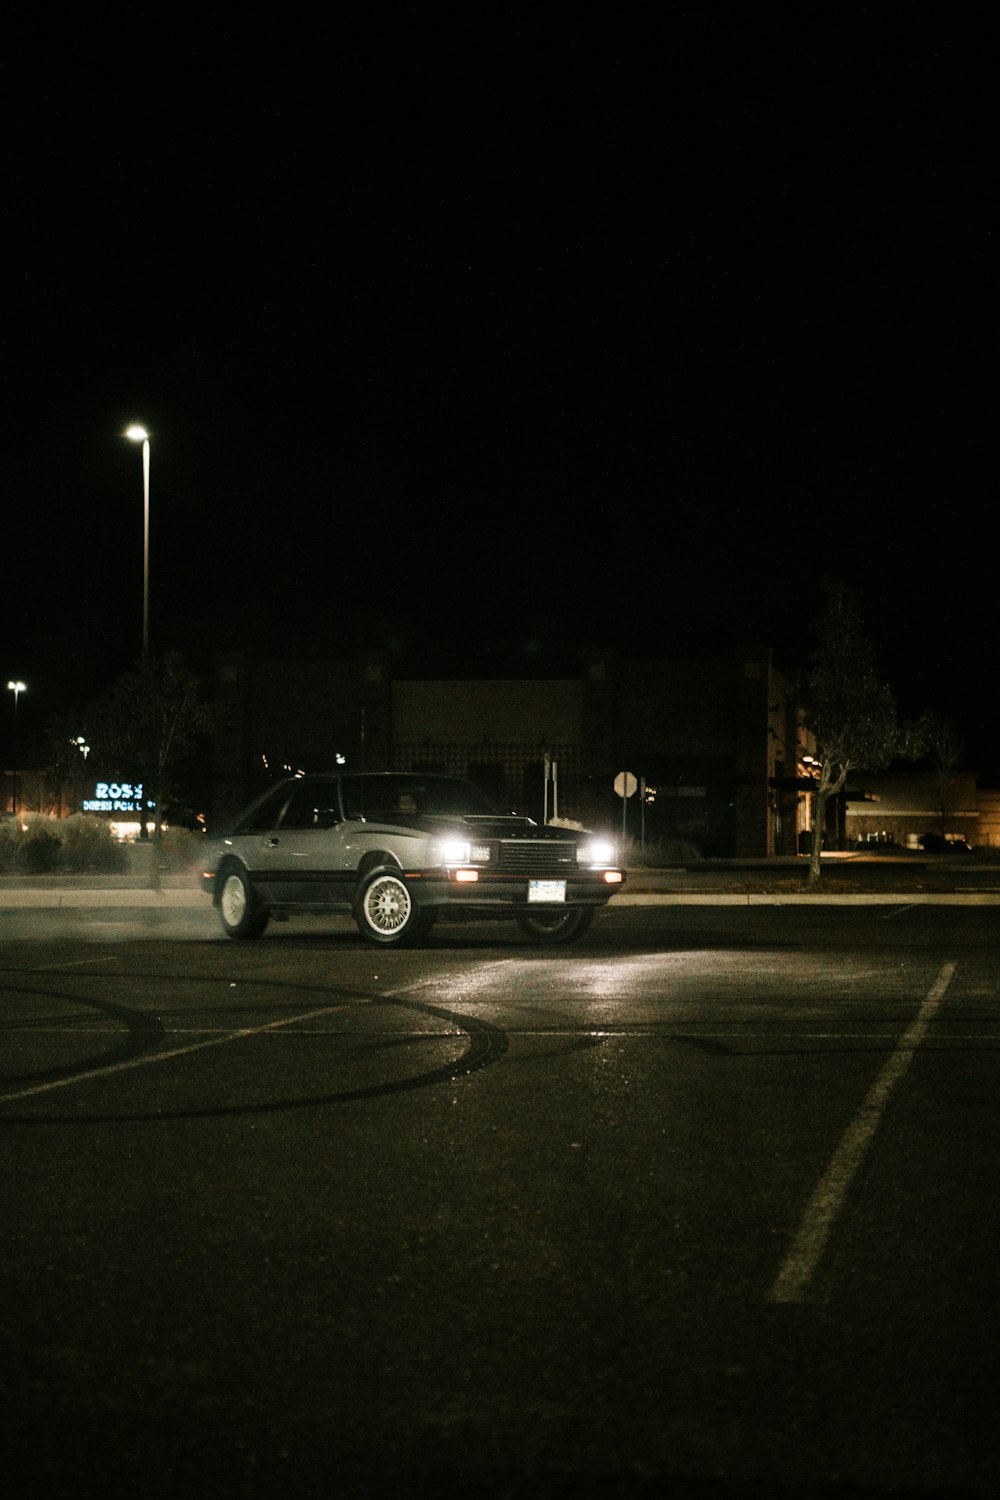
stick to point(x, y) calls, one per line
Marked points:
point(381, 796)
point(313, 805)
point(265, 814)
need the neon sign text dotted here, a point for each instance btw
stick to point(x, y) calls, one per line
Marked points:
point(116, 796)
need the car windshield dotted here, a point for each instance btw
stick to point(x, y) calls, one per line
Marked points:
point(407, 795)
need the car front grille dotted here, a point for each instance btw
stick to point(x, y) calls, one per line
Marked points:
point(535, 857)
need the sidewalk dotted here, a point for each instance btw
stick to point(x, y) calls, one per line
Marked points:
point(57, 892)
point(846, 881)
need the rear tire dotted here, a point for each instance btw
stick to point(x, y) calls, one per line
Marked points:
point(556, 926)
point(386, 912)
point(241, 913)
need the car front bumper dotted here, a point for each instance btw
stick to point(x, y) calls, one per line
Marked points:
point(475, 889)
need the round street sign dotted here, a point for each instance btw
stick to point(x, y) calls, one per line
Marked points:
point(626, 784)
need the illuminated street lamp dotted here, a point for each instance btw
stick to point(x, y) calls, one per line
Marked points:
point(140, 435)
point(79, 743)
point(17, 688)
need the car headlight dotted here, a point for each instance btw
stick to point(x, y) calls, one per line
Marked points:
point(454, 852)
point(462, 852)
point(596, 853)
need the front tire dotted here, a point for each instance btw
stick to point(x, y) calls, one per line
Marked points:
point(386, 912)
point(556, 926)
point(241, 913)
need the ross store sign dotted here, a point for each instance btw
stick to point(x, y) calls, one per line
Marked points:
point(116, 796)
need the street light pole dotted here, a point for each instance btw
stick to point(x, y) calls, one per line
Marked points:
point(17, 688)
point(140, 435)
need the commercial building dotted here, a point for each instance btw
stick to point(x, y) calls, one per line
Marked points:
point(710, 749)
point(703, 757)
point(901, 808)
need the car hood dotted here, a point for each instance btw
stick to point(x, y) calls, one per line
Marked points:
point(497, 827)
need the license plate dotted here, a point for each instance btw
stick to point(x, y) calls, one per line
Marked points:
point(546, 890)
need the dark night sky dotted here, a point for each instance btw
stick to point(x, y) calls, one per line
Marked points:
point(486, 337)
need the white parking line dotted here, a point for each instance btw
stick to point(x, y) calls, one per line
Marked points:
point(793, 1280)
point(148, 1059)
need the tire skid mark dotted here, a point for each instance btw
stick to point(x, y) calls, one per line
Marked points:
point(486, 1045)
point(143, 1031)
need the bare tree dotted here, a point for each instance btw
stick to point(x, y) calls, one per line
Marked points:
point(848, 708)
point(151, 717)
point(945, 753)
point(67, 751)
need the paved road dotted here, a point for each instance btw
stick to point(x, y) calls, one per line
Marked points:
point(705, 1206)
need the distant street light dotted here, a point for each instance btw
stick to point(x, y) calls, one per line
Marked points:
point(17, 688)
point(140, 435)
point(79, 743)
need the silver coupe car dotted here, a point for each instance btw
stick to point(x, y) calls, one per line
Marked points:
point(396, 849)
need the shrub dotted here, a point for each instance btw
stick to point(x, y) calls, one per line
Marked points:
point(658, 853)
point(89, 844)
point(180, 849)
point(8, 843)
point(39, 846)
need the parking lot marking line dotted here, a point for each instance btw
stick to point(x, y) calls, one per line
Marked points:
point(793, 1280)
point(157, 1057)
point(75, 963)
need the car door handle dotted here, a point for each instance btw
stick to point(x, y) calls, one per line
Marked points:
point(272, 843)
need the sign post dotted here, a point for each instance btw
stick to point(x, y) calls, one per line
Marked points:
point(626, 786)
point(551, 778)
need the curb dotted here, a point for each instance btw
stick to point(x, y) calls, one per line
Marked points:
point(817, 898)
point(33, 898)
point(60, 900)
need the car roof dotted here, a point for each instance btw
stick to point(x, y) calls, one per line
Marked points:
point(338, 774)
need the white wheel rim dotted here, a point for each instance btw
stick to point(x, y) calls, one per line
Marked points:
point(387, 905)
point(234, 901)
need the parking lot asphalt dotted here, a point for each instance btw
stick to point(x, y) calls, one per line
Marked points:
point(846, 880)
